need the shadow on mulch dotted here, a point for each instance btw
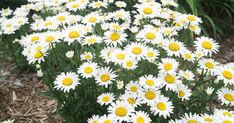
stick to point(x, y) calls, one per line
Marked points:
point(20, 100)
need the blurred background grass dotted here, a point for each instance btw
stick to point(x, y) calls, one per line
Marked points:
point(12, 3)
point(217, 15)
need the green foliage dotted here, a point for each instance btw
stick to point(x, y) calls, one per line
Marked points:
point(217, 14)
point(11, 3)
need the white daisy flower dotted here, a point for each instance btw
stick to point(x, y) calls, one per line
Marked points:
point(120, 111)
point(136, 50)
point(92, 18)
point(168, 65)
point(104, 76)
point(183, 92)
point(140, 117)
point(66, 81)
point(114, 38)
point(208, 64)
point(106, 119)
point(87, 56)
point(133, 87)
point(149, 95)
point(187, 74)
point(191, 118)
point(94, 119)
point(170, 81)
point(73, 33)
point(207, 45)
point(90, 40)
point(149, 81)
point(105, 98)
point(88, 69)
point(174, 47)
point(131, 98)
point(151, 54)
point(162, 107)
point(226, 96)
point(130, 64)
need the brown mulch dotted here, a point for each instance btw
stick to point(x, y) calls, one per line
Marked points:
point(19, 93)
point(226, 50)
point(20, 100)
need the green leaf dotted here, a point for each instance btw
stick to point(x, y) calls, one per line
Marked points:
point(193, 6)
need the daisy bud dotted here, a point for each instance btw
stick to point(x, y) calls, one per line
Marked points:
point(209, 90)
point(70, 54)
point(39, 73)
point(120, 84)
point(8, 121)
point(216, 81)
point(38, 66)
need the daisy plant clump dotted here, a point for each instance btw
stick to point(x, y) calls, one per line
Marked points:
point(113, 61)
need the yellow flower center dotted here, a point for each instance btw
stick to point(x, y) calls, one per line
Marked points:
point(169, 79)
point(208, 119)
point(174, 47)
point(140, 120)
point(106, 99)
point(137, 50)
point(88, 70)
point(107, 121)
point(48, 23)
point(88, 56)
point(229, 97)
point(92, 19)
point(119, 15)
point(38, 55)
point(120, 56)
point(117, 27)
point(131, 101)
point(150, 36)
point(49, 38)
point(75, 6)
point(161, 106)
point(168, 66)
point(150, 54)
point(74, 34)
point(207, 45)
point(227, 114)
point(181, 93)
point(209, 65)
point(67, 81)
point(8, 25)
point(227, 121)
point(168, 31)
point(129, 63)
point(192, 121)
point(149, 82)
point(227, 74)
point(38, 48)
point(92, 40)
point(150, 95)
point(114, 36)
point(61, 18)
point(121, 111)
point(35, 38)
point(133, 89)
point(187, 56)
point(193, 28)
point(105, 77)
point(98, 4)
point(148, 11)
point(95, 121)
point(191, 18)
